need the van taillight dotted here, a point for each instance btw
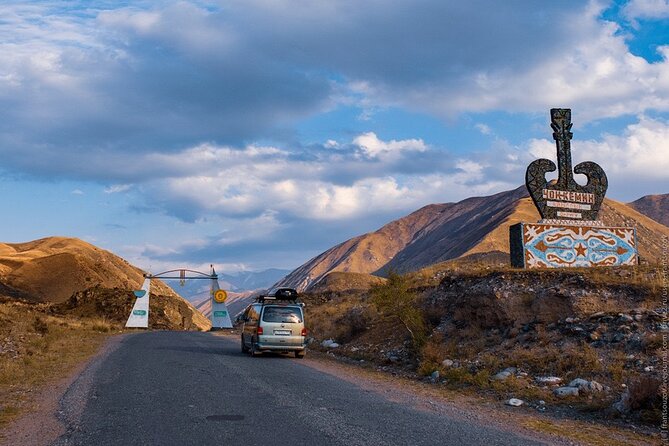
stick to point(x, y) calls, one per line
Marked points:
point(304, 332)
point(259, 332)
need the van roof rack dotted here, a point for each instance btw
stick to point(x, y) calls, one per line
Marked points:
point(279, 295)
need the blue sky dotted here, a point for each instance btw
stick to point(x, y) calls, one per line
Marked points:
point(254, 134)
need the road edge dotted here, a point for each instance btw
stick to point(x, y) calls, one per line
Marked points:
point(58, 403)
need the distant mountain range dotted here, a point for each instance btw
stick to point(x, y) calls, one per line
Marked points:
point(253, 280)
point(472, 227)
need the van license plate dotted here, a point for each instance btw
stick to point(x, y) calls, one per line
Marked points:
point(282, 332)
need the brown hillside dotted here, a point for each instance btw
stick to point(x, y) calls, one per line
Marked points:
point(340, 281)
point(366, 253)
point(653, 206)
point(461, 229)
point(53, 269)
point(439, 233)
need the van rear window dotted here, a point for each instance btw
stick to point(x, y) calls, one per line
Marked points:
point(289, 315)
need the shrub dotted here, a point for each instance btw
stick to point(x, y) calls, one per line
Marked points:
point(393, 299)
point(351, 324)
point(40, 326)
point(644, 393)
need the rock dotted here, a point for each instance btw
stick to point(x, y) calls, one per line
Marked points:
point(597, 315)
point(618, 337)
point(447, 363)
point(542, 402)
point(548, 379)
point(586, 386)
point(594, 336)
point(625, 318)
point(515, 402)
point(649, 368)
point(562, 392)
point(571, 320)
point(578, 382)
point(638, 317)
point(329, 343)
point(504, 374)
point(625, 328)
point(435, 375)
point(393, 359)
point(624, 404)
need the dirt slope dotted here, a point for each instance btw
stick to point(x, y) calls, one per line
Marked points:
point(442, 232)
point(653, 206)
point(54, 269)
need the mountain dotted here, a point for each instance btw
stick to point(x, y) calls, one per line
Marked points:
point(253, 280)
point(70, 273)
point(475, 227)
point(653, 206)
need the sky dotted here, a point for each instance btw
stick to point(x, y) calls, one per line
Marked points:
point(253, 134)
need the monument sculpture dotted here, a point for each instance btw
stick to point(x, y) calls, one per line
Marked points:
point(569, 233)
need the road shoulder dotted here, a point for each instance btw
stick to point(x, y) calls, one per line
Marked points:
point(434, 398)
point(57, 403)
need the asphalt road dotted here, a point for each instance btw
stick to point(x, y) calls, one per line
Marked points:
point(179, 388)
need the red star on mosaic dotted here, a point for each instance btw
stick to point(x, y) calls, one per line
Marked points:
point(580, 250)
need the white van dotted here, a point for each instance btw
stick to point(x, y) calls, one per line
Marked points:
point(275, 323)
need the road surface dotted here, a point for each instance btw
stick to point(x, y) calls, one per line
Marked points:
point(181, 388)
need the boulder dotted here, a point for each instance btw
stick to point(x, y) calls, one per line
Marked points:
point(562, 392)
point(515, 402)
point(586, 386)
point(329, 343)
point(548, 379)
point(504, 374)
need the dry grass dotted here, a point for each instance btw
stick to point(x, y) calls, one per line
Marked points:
point(588, 434)
point(37, 348)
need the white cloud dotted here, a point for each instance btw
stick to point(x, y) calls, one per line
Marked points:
point(117, 188)
point(646, 9)
point(373, 147)
point(77, 192)
point(483, 128)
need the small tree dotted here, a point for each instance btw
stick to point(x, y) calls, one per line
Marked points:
point(394, 300)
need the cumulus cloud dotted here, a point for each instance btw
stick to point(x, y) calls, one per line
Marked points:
point(646, 9)
point(373, 147)
point(197, 107)
point(159, 77)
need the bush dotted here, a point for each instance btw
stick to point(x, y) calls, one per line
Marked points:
point(393, 299)
point(644, 393)
point(40, 326)
point(351, 324)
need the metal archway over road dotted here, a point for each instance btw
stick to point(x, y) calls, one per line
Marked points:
point(220, 317)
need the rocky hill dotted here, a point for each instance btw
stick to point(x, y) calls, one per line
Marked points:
point(441, 232)
point(71, 273)
point(582, 342)
point(653, 206)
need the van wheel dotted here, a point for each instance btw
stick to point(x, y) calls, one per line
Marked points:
point(300, 355)
point(245, 349)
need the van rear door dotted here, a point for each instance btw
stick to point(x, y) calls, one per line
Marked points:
point(282, 325)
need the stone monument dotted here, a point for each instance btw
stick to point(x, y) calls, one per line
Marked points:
point(569, 233)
